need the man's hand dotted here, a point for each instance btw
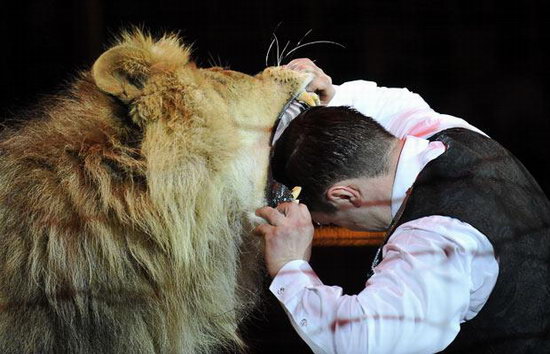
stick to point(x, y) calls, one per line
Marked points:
point(321, 84)
point(288, 234)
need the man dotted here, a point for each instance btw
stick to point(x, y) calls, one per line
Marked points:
point(465, 265)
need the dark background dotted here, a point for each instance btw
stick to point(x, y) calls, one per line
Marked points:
point(484, 61)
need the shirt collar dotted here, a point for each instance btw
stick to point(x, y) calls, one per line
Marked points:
point(415, 155)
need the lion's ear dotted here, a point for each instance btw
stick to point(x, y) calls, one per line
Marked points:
point(122, 71)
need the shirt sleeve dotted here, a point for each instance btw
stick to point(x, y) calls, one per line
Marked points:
point(436, 273)
point(398, 110)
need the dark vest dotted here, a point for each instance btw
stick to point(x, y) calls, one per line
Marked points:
point(479, 182)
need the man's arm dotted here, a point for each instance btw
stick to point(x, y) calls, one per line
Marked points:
point(398, 110)
point(426, 285)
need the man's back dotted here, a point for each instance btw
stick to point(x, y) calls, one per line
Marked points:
point(479, 182)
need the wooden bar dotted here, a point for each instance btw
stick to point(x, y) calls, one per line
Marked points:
point(339, 237)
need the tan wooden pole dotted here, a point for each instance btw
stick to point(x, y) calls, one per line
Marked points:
point(339, 237)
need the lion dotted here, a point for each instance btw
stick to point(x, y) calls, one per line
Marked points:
point(127, 201)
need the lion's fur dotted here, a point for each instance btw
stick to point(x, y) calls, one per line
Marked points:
point(126, 205)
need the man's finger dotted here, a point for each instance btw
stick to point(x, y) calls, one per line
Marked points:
point(315, 85)
point(301, 61)
point(272, 216)
point(304, 209)
point(294, 210)
point(303, 64)
point(289, 209)
point(263, 230)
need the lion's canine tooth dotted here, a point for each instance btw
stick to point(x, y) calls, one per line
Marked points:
point(296, 193)
point(309, 98)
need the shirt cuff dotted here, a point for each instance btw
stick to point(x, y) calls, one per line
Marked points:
point(292, 278)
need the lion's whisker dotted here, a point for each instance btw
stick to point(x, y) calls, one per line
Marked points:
point(211, 60)
point(269, 50)
point(310, 43)
point(221, 64)
point(276, 45)
point(281, 57)
point(274, 41)
point(304, 37)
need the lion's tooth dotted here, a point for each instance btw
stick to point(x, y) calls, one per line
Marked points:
point(296, 193)
point(309, 98)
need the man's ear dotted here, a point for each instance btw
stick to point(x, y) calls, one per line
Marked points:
point(342, 196)
point(122, 72)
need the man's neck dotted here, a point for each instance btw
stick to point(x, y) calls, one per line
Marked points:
point(380, 189)
point(365, 203)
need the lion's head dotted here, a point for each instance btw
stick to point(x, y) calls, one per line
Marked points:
point(126, 205)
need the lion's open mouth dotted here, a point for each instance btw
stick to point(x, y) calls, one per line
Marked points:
point(277, 192)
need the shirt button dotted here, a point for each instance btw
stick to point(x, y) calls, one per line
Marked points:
point(281, 291)
point(303, 322)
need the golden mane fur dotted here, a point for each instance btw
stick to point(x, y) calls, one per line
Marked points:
point(126, 205)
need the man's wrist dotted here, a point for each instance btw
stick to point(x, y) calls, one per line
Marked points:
point(292, 278)
point(274, 271)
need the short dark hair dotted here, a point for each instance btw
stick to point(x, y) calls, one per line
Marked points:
point(324, 145)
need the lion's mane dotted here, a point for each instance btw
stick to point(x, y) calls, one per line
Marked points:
point(126, 205)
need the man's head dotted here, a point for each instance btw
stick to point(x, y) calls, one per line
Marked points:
point(327, 145)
